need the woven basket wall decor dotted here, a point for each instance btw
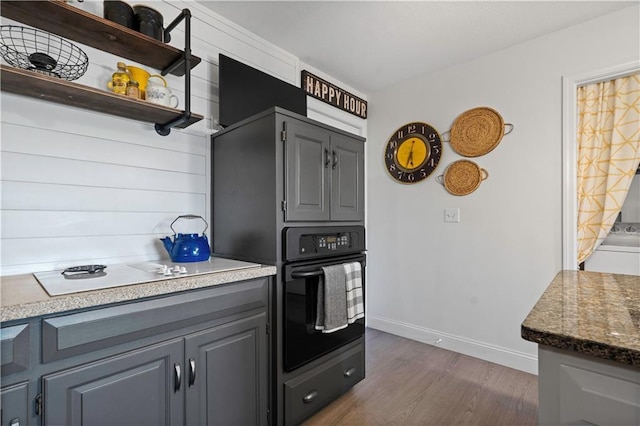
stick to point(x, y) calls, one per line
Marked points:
point(478, 131)
point(462, 177)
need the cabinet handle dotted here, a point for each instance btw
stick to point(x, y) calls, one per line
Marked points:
point(177, 377)
point(308, 398)
point(335, 160)
point(327, 160)
point(349, 372)
point(192, 371)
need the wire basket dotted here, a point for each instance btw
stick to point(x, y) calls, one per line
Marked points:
point(42, 52)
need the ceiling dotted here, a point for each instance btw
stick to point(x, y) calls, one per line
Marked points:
point(372, 45)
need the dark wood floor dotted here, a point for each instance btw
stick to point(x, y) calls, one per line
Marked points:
point(411, 383)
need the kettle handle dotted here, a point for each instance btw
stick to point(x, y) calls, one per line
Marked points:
point(190, 216)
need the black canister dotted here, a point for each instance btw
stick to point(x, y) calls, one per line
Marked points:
point(148, 22)
point(119, 12)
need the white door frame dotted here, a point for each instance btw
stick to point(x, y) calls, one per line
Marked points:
point(570, 85)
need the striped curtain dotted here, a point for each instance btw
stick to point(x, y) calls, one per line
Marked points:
point(608, 155)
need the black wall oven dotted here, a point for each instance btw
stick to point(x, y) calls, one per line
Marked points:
point(306, 251)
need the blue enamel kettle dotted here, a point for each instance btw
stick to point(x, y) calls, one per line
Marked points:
point(188, 247)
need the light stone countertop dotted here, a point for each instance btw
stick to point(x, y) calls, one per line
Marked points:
point(22, 297)
point(593, 313)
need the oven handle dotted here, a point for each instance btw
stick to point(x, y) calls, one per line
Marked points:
point(307, 274)
point(311, 270)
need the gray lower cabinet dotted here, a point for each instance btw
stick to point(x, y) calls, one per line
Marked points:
point(226, 383)
point(577, 389)
point(221, 377)
point(196, 358)
point(140, 388)
point(14, 405)
point(14, 349)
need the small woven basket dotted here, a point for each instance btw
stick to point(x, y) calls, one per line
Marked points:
point(462, 177)
point(477, 131)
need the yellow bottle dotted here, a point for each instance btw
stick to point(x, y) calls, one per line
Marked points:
point(120, 79)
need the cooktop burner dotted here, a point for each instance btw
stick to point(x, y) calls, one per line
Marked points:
point(84, 272)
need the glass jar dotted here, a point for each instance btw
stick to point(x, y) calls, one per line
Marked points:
point(133, 89)
point(120, 79)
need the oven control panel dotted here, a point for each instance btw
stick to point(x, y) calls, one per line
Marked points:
point(323, 241)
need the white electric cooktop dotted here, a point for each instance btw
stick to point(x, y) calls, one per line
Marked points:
point(55, 283)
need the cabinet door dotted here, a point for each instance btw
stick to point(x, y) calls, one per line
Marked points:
point(14, 405)
point(307, 162)
point(347, 178)
point(138, 388)
point(228, 385)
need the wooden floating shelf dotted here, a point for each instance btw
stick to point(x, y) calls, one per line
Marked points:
point(83, 27)
point(53, 89)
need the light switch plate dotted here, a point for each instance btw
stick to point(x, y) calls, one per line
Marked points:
point(452, 214)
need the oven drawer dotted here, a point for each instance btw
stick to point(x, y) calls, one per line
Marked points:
point(306, 394)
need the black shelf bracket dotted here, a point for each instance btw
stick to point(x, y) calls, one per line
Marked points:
point(185, 60)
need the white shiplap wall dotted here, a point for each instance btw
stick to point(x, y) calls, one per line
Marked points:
point(82, 187)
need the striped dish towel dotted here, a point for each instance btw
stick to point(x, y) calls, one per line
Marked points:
point(355, 302)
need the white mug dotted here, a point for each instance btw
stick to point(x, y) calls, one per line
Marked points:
point(161, 95)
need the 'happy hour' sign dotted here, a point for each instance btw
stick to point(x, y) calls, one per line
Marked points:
point(333, 95)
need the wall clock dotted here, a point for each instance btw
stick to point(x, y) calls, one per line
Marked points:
point(413, 152)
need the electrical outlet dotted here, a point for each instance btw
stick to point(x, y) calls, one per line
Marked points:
point(452, 215)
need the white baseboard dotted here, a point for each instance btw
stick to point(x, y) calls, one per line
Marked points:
point(496, 354)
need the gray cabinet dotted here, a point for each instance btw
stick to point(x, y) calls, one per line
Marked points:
point(14, 405)
point(15, 353)
point(347, 179)
point(140, 388)
point(214, 377)
point(324, 174)
point(226, 383)
point(278, 169)
point(14, 348)
point(196, 357)
point(577, 389)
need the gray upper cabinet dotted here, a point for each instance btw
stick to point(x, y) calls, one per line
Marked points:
point(347, 179)
point(278, 169)
point(306, 172)
point(324, 174)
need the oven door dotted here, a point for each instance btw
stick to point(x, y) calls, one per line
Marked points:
point(302, 342)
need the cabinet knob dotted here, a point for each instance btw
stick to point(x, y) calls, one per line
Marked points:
point(308, 398)
point(348, 373)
